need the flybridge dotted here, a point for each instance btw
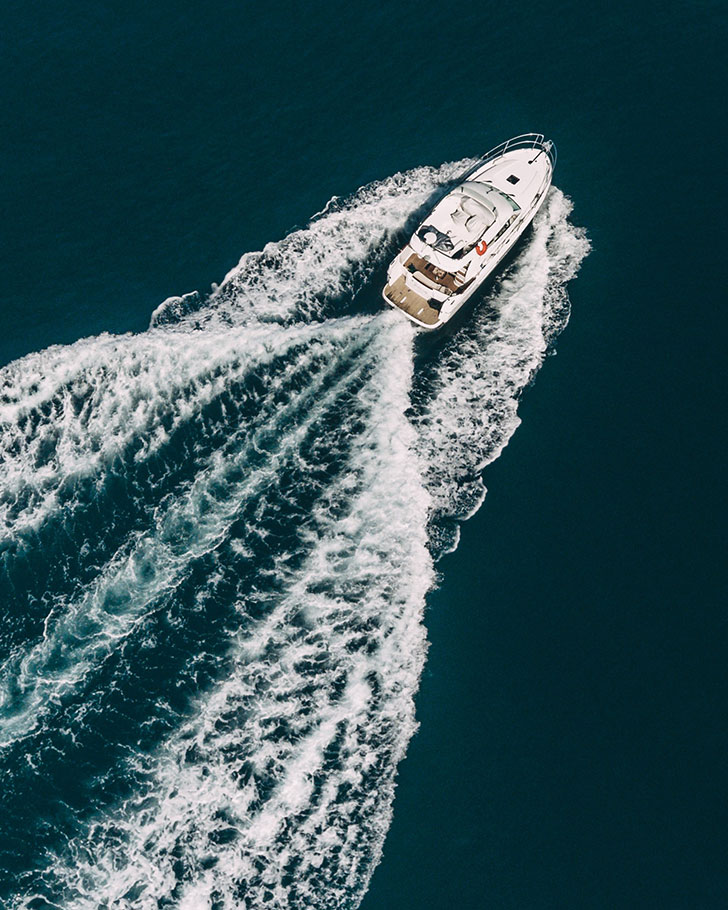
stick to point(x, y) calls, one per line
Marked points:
point(467, 234)
point(464, 216)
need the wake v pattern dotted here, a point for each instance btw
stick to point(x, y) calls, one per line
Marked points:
point(245, 502)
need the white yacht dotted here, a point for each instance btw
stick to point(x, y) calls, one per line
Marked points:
point(467, 234)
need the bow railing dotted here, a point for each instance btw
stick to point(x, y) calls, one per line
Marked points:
point(533, 141)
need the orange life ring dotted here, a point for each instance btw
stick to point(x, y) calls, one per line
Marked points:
point(481, 247)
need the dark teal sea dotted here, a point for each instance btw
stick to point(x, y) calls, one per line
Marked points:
point(261, 646)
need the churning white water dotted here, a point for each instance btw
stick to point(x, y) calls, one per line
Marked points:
point(252, 494)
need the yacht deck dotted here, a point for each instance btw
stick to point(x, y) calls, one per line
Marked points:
point(434, 277)
point(409, 301)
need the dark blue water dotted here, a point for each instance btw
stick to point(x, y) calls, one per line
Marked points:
point(223, 540)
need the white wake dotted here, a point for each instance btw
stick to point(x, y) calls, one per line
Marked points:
point(307, 467)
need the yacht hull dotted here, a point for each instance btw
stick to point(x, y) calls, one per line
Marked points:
point(462, 241)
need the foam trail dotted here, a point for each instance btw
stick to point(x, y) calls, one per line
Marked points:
point(291, 477)
point(185, 528)
point(468, 409)
point(340, 724)
point(301, 276)
point(58, 421)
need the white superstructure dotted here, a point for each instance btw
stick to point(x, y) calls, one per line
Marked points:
point(467, 234)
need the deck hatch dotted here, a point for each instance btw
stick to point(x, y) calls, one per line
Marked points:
point(513, 179)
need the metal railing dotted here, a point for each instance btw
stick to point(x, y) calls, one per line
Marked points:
point(525, 141)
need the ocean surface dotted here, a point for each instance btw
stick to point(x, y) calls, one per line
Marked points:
point(264, 640)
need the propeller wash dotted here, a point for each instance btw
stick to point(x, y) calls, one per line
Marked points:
point(217, 541)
